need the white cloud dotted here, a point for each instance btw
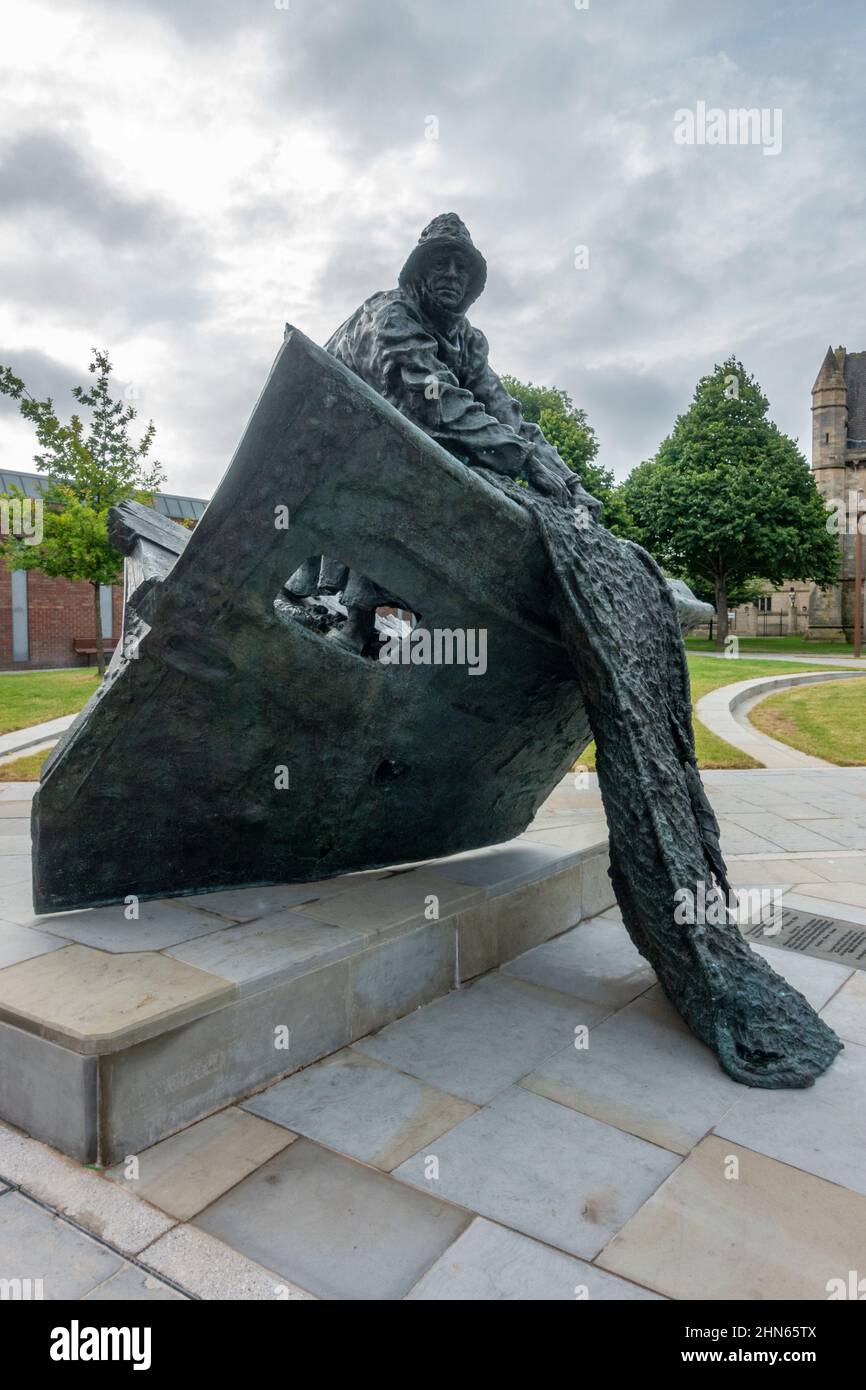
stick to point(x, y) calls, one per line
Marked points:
point(181, 180)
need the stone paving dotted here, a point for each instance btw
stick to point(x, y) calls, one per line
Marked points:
point(551, 1131)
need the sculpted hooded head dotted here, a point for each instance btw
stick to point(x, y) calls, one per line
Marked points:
point(446, 270)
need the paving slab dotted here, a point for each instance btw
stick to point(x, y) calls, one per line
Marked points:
point(769, 1233)
point(93, 1001)
point(212, 1270)
point(15, 825)
point(18, 845)
point(187, 1172)
point(335, 1227)
point(35, 1244)
point(18, 791)
point(643, 1072)
point(848, 833)
point(134, 1285)
point(85, 1197)
point(502, 868)
point(395, 903)
point(14, 868)
point(789, 834)
point(490, 1263)
point(735, 840)
point(157, 925)
point(361, 1107)
point(596, 960)
point(248, 904)
point(846, 1012)
point(821, 1130)
point(271, 949)
point(478, 1040)
point(21, 943)
point(542, 1169)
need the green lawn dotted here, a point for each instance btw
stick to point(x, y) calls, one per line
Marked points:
point(32, 697)
point(24, 769)
point(828, 720)
point(708, 673)
point(777, 646)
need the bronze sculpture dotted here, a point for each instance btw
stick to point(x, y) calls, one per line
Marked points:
point(402, 460)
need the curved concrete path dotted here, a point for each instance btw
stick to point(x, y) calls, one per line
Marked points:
point(725, 712)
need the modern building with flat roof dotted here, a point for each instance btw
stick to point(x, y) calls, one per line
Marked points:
point(49, 622)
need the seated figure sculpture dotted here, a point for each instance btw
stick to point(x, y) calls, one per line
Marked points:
point(415, 346)
point(223, 680)
point(618, 619)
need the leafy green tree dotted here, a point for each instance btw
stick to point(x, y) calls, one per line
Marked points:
point(566, 427)
point(90, 467)
point(729, 499)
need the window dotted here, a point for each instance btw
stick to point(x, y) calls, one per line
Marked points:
point(826, 436)
point(765, 603)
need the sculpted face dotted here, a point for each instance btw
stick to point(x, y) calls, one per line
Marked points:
point(446, 280)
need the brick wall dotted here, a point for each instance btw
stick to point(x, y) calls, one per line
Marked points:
point(58, 611)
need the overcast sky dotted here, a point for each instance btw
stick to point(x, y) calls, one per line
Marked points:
point(179, 178)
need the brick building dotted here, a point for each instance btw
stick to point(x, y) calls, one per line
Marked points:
point(41, 619)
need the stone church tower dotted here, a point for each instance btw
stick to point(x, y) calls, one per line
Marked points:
point(839, 464)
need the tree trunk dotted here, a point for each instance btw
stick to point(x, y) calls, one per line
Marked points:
point(721, 612)
point(97, 618)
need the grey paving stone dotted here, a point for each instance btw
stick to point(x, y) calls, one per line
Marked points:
point(16, 846)
point(645, 1073)
point(212, 1270)
point(788, 834)
point(14, 868)
point(16, 903)
point(158, 925)
point(736, 840)
point(595, 960)
point(273, 948)
point(34, 1244)
point(248, 904)
point(846, 1013)
point(18, 810)
point(180, 1076)
point(396, 903)
point(753, 1232)
point(21, 943)
point(821, 1130)
point(79, 1194)
point(18, 791)
point(491, 1263)
point(362, 1108)
point(847, 833)
point(334, 1227)
point(133, 1285)
point(542, 1169)
point(187, 1172)
point(15, 825)
point(479, 1040)
point(501, 868)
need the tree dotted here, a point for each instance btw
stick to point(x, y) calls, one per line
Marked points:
point(729, 499)
point(566, 427)
point(90, 468)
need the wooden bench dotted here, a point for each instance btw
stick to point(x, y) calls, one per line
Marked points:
point(86, 646)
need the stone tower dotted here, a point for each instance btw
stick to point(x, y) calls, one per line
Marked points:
point(839, 464)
